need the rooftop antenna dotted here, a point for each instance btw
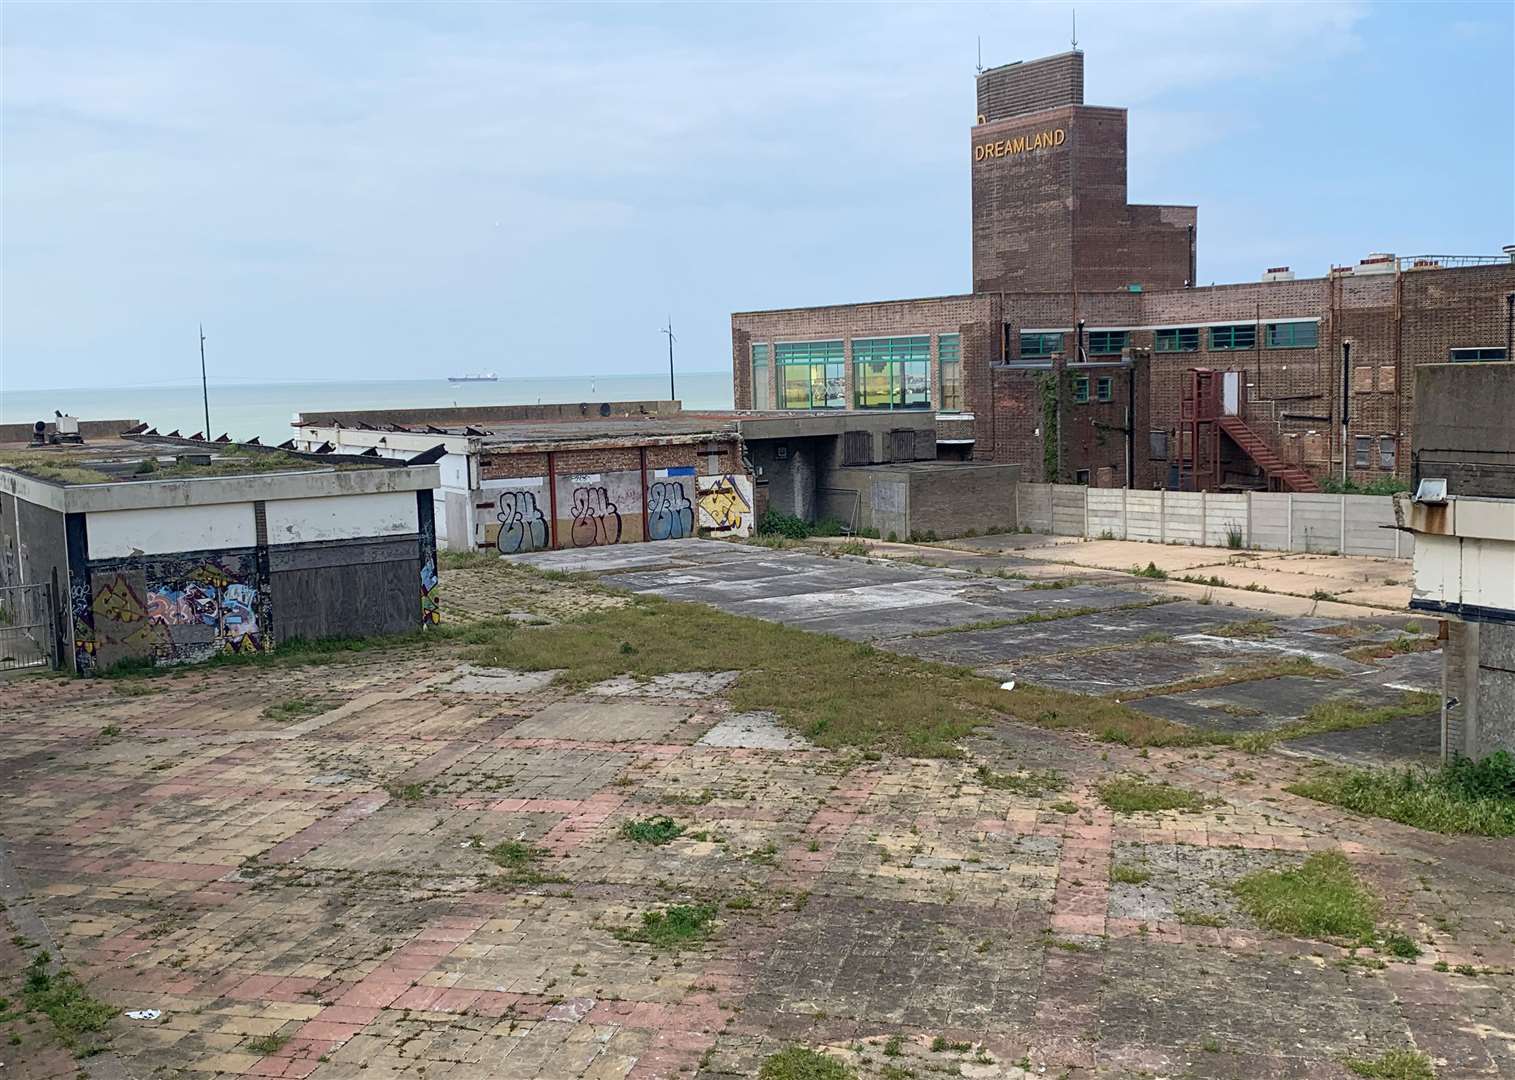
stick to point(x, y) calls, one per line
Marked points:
point(204, 392)
point(671, 339)
point(1075, 29)
point(980, 67)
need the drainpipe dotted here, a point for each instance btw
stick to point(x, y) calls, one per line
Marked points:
point(1509, 324)
point(1130, 423)
point(1346, 377)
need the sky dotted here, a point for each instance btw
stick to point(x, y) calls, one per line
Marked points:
point(341, 191)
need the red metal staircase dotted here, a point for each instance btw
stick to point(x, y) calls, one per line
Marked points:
point(1212, 402)
point(1288, 477)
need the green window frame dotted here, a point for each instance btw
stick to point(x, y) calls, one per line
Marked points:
point(1040, 344)
point(1104, 388)
point(1108, 342)
point(762, 382)
point(1293, 335)
point(1474, 355)
point(1081, 390)
point(949, 358)
point(892, 372)
point(1176, 339)
point(813, 374)
point(1236, 336)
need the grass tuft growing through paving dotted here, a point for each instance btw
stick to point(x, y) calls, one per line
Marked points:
point(653, 830)
point(1342, 714)
point(835, 692)
point(681, 924)
point(1130, 795)
point(1461, 796)
point(1110, 721)
point(1033, 784)
point(294, 708)
point(519, 861)
point(76, 1014)
point(1128, 874)
point(1394, 1065)
point(1320, 898)
point(802, 1063)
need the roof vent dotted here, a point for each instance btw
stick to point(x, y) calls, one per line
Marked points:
point(1278, 273)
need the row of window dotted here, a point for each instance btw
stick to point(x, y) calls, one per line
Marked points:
point(1475, 356)
point(1104, 389)
point(888, 373)
point(1180, 339)
point(1364, 445)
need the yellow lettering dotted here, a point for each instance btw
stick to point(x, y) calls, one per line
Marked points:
point(1058, 136)
point(999, 148)
point(1020, 144)
point(978, 152)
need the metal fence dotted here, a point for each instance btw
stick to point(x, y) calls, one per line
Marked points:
point(28, 632)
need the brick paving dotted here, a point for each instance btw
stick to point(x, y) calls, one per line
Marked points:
point(316, 898)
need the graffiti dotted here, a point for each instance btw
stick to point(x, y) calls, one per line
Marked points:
point(522, 526)
point(117, 601)
point(596, 520)
point(431, 592)
point(726, 504)
point(669, 515)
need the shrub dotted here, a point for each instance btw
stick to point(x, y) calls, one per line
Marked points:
point(773, 523)
point(1460, 796)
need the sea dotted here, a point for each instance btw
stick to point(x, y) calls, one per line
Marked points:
point(265, 409)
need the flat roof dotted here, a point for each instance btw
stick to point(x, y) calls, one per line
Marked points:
point(121, 460)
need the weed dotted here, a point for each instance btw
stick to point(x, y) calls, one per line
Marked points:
point(1394, 1065)
point(802, 1063)
point(409, 794)
point(1151, 570)
point(1055, 583)
point(1320, 898)
point(1109, 720)
point(60, 997)
point(1298, 666)
point(773, 523)
point(1342, 714)
point(519, 861)
point(1031, 784)
point(653, 830)
point(1321, 594)
point(1460, 796)
point(851, 547)
point(680, 924)
point(135, 689)
point(1065, 807)
point(1191, 917)
point(677, 798)
point(267, 1044)
point(894, 1046)
point(1402, 945)
point(1130, 795)
point(110, 731)
point(1126, 874)
point(1253, 629)
point(294, 708)
point(1234, 536)
point(1382, 650)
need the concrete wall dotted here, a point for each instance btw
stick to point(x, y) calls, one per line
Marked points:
point(1478, 715)
point(88, 429)
point(1463, 428)
point(161, 530)
point(1341, 524)
point(938, 499)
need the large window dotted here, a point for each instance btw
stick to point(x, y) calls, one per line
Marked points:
point(1107, 342)
point(762, 378)
point(1183, 339)
point(813, 373)
point(1293, 335)
point(1240, 336)
point(892, 373)
point(949, 354)
point(1473, 356)
point(1040, 344)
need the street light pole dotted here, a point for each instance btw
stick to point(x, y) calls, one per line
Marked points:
point(672, 396)
point(204, 392)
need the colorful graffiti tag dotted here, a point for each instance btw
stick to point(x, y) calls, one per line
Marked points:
point(726, 505)
point(431, 590)
point(596, 519)
point(670, 516)
point(170, 608)
point(522, 525)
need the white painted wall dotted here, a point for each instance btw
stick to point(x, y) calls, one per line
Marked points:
point(339, 517)
point(1465, 570)
point(167, 529)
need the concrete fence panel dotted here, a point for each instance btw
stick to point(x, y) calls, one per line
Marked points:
point(1107, 512)
point(1033, 507)
point(1144, 515)
point(1068, 517)
point(1225, 514)
point(1316, 523)
point(1369, 526)
point(1268, 520)
point(1184, 517)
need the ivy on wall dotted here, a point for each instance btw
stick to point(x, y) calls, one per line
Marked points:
point(1047, 387)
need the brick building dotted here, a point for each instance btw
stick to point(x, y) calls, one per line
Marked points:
point(1067, 274)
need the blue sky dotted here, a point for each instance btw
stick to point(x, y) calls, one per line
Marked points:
point(398, 191)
